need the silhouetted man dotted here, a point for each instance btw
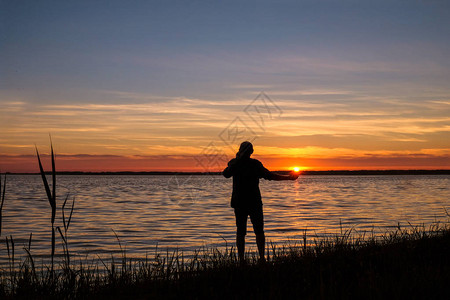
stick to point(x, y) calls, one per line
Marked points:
point(246, 197)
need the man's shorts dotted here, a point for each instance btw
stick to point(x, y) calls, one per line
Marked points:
point(256, 216)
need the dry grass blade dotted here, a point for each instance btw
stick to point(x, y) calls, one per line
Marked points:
point(12, 253)
point(67, 224)
point(7, 247)
point(44, 179)
point(53, 242)
point(33, 268)
point(71, 212)
point(446, 212)
point(118, 240)
point(29, 241)
point(62, 211)
point(62, 235)
point(2, 193)
point(53, 202)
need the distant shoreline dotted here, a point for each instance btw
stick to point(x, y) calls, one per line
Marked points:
point(330, 172)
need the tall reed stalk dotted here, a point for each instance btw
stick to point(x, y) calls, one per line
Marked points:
point(51, 195)
point(2, 193)
point(66, 224)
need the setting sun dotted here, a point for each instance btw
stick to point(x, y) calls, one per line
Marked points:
point(296, 169)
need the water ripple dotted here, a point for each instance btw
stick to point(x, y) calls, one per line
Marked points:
point(187, 212)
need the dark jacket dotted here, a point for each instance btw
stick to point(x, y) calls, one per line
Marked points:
point(246, 173)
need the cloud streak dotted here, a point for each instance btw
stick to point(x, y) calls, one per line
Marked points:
point(183, 126)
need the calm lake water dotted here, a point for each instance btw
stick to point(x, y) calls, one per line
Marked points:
point(188, 212)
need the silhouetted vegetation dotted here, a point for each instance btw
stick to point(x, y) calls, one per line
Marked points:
point(2, 198)
point(405, 263)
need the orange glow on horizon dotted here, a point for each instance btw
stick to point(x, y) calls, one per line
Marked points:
point(108, 163)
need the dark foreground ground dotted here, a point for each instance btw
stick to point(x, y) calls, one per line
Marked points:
point(418, 269)
point(404, 264)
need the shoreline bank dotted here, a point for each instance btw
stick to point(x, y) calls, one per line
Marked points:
point(410, 263)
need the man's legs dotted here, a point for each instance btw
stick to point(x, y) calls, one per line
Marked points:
point(257, 218)
point(261, 243)
point(240, 243)
point(241, 230)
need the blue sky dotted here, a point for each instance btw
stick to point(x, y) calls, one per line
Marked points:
point(197, 48)
point(193, 66)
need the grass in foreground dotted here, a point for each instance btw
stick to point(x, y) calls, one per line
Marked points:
point(409, 263)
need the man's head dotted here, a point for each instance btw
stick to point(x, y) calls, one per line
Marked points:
point(245, 150)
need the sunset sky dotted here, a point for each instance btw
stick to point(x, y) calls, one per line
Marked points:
point(176, 85)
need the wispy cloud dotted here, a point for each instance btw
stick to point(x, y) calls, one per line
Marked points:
point(259, 87)
point(186, 125)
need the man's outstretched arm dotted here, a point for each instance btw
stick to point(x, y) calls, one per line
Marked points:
point(275, 176)
point(266, 174)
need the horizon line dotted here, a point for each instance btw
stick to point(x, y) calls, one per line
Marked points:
point(306, 172)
